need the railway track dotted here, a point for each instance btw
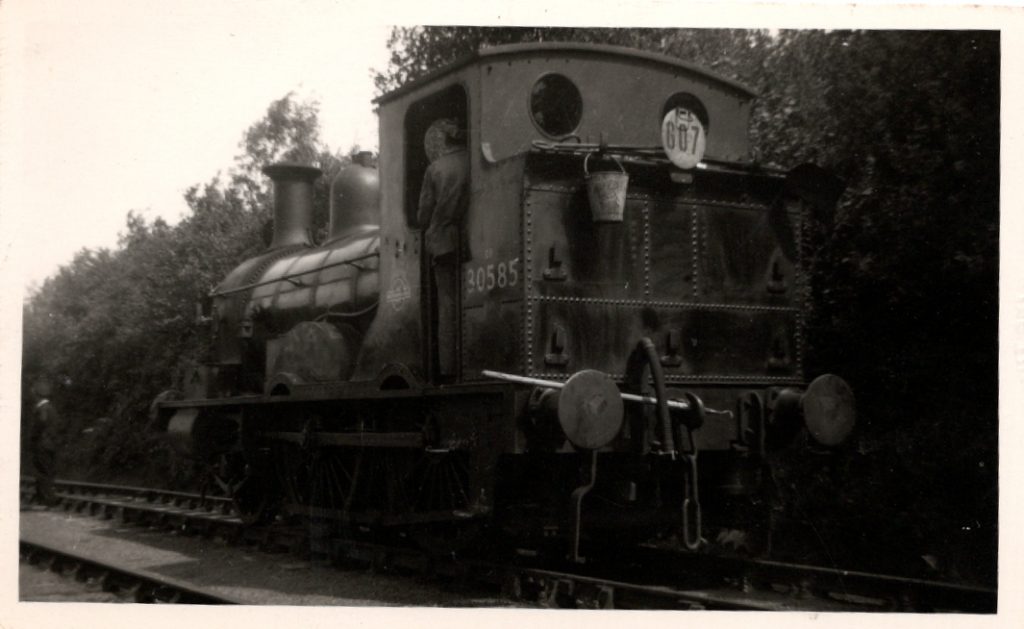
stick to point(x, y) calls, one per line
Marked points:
point(135, 585)
point(647, 577)
point(831, 588)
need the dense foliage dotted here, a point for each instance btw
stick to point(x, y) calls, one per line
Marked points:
point(115, 328)
point(905, 275)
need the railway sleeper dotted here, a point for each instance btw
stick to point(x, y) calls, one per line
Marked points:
point(790, 582)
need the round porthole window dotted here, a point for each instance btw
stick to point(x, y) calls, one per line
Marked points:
point(556, 105)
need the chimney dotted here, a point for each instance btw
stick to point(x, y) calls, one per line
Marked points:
point(293, 203)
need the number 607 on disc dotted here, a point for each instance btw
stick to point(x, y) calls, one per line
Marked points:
point(683, 137)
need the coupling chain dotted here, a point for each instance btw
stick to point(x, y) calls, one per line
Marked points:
point(692, 536)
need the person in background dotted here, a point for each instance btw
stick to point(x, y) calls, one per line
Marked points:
point(444, 197)
point(41, 441)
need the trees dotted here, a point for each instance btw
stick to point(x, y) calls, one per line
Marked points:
point(115, 327)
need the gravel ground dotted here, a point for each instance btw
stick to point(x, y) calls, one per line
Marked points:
point(239, 572)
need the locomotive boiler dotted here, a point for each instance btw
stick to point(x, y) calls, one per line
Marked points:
point(630, 318)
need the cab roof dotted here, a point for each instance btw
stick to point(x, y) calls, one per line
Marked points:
point(559, 47)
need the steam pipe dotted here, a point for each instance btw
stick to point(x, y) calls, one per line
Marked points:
point(659, 389)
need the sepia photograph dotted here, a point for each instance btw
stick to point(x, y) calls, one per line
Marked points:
point(325, 310)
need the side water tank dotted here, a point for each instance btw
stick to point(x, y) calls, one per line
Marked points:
point(355, 198)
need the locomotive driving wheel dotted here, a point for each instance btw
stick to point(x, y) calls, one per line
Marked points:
point(315, 480)
point(251, 500)
point(440, 482)
point(231, 476)
point(333, 474)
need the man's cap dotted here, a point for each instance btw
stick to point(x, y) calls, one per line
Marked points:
point(451, 128)
point(441, 134)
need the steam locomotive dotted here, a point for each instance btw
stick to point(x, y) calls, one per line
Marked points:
point(632, 294)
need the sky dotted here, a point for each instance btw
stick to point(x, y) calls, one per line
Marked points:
point(123, 105)
point(111, 106)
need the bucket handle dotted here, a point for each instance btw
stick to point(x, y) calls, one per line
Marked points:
point(587, 159)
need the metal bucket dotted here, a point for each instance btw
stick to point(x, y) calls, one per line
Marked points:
point(606, 192)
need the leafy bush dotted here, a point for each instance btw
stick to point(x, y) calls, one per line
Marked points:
point(116, 327)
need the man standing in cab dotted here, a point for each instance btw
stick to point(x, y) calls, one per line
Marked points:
point(444, 197)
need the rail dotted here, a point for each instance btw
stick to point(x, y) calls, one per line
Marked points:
point(142, 586)
point(641, 577)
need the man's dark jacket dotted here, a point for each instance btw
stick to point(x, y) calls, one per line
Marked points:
point(444, 197)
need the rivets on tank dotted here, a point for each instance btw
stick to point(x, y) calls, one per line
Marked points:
point(689, 199)
point(647, 249)
point(550, 187)
point(705, 229)
point(695, 249)
point(798, 341)
point(648, 303)
point(802, 286)
point(527, 277)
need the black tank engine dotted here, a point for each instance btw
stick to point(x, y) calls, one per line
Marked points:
point(629, 318)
